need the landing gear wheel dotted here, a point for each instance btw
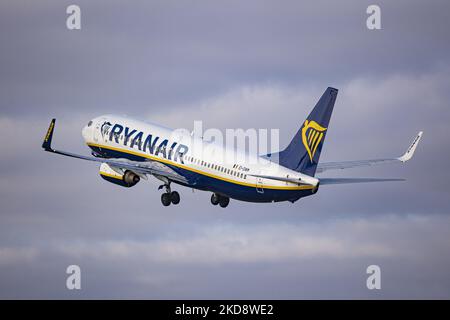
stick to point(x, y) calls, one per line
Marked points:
point(175, 197)
point(165, 199)
point(215, 199)
point(224, 201)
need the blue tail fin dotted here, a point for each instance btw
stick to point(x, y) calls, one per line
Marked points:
point(303, 153)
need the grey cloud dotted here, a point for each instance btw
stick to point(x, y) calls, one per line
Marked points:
point(147, 54)
point(267, 250)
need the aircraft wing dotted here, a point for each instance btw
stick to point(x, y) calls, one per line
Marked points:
point(325, 166)
point(147, 167)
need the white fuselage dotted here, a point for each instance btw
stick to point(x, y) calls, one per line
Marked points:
point(138, 140)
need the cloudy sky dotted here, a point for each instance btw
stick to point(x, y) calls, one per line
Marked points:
point(231, 64)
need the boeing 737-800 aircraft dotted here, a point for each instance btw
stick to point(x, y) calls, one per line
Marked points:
point(129, 150)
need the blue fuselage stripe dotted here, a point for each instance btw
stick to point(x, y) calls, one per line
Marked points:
point(204, 182)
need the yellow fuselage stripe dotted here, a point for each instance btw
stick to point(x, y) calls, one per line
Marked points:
point(144, 155)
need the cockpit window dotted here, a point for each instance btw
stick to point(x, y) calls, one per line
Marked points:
point(89, 123)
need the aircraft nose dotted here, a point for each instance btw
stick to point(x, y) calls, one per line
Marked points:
point(86, 132)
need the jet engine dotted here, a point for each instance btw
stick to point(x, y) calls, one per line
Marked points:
point(118, 176)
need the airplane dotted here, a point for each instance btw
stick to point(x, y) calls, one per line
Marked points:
point(130, 150)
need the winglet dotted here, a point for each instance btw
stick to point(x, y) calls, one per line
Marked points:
point(47, 144)
point(410, 152)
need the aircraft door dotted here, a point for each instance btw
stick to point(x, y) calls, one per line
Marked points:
point(96, 132)
point(259, 185)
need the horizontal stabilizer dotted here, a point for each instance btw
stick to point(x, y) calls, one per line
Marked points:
point(325, 181)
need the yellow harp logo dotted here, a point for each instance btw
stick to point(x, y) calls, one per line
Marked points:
point(312, 134)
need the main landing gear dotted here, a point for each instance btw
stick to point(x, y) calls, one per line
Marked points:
point(169, 196)
point(217, 199)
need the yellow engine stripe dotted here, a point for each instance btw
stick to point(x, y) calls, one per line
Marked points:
point(144, 155)
point(110, 175)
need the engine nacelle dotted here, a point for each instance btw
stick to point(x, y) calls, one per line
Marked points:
point(131, 178)
point(118, 176)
